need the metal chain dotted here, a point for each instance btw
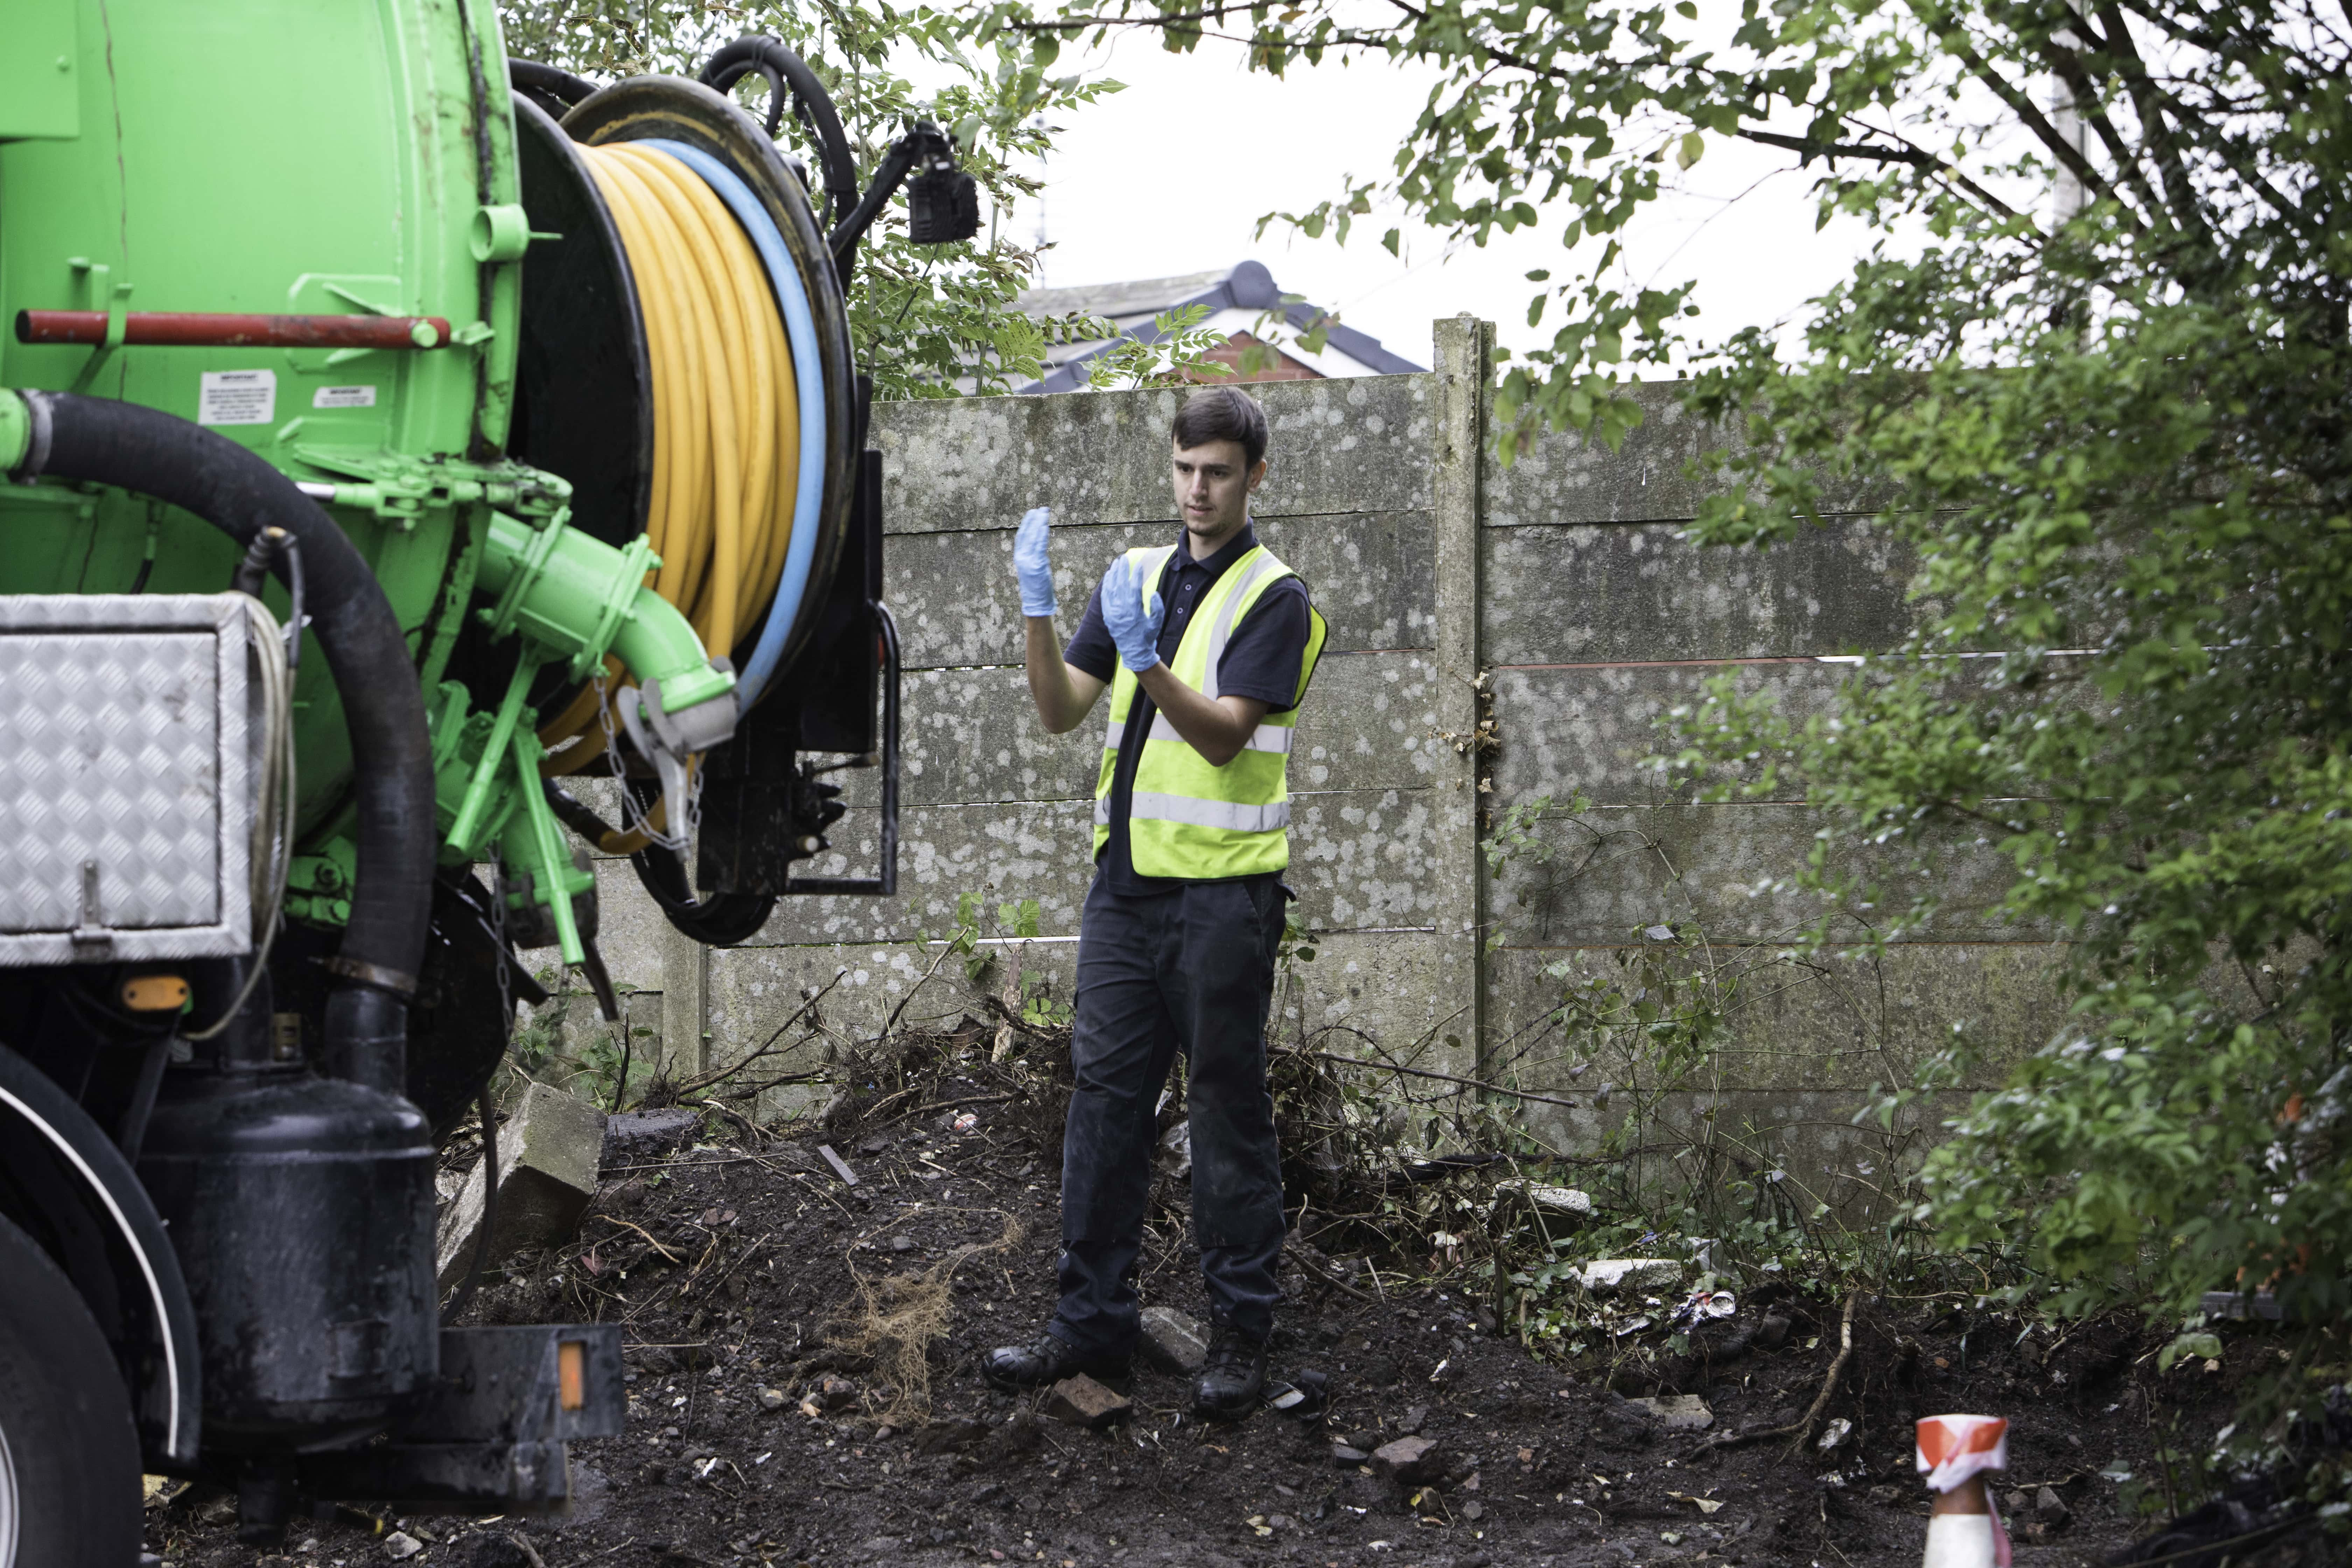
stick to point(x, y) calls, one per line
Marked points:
point(498, 931)
point(634, 818)
point(691, 827)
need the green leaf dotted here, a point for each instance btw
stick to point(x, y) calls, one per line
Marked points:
point(2198, 1343)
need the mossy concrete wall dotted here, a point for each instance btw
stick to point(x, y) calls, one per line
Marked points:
point(1556, 598)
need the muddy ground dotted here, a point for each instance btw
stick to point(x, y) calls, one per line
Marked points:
point(757, 1288)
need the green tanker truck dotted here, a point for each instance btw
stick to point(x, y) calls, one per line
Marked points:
point(394, 435)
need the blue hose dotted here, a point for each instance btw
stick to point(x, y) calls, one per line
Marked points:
point(808, 372)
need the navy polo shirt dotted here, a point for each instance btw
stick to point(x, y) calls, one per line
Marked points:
point(1261, 661)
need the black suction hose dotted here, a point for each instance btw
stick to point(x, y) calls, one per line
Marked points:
point(715, 920)
point(765, 55)
point(551, 84)
point(897, 165)
point(160, 455)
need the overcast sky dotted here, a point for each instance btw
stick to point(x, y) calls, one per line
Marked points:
point(1172, 174)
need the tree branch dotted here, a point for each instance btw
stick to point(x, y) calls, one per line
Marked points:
point(1901, 152)
point(2149, 101)
point(766, 1047)
point(1496, 55)
point(1813, 148)
point(1080, 23)
point(1424, 1072)
point(2068, 66)
point(2065, 152)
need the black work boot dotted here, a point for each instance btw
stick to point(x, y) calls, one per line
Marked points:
point(1052, 1359)
point(1229, 1386)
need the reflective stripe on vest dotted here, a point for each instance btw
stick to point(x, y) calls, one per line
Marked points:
point(1186, 818)
point(1265, 738)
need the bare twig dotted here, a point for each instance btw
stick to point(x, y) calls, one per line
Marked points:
point(1331, 1275)
point(740, 1259)
point(949, 1105)
point(1424, 1072)
point(600, 1556)
point(1003, 1009)
point(531, 1553)
point(737, 1117)
point(1802, 1429)
point(641, 1230)
point(890, 1025)
point(767, 1046)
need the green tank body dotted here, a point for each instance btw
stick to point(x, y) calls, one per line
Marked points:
point(264, 330)
point(276, 158)
point(322, 162)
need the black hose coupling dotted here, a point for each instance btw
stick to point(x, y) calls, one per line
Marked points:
point(276, 544)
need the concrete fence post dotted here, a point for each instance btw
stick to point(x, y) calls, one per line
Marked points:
point(686, 1005)
point(1465, 358)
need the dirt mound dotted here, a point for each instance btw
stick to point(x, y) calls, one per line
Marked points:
point(804, 1382)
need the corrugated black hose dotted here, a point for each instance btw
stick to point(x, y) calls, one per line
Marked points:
point(157, 453)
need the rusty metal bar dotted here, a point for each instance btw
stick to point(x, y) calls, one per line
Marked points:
point(194, 329)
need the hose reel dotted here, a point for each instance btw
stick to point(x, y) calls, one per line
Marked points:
point(674, 212)
point(686, 362)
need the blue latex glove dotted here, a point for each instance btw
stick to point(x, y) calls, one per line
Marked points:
point(1031, 563)
point(1132, 612)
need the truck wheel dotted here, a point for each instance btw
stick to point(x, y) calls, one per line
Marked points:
point(70, 1490)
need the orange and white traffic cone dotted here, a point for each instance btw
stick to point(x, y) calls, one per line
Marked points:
point(1954, 1453)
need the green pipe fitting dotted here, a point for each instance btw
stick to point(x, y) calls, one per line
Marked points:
point(16, 431)
point(499, 233)
point(581, 598)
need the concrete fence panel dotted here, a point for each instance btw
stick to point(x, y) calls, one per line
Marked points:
point(1555, 601)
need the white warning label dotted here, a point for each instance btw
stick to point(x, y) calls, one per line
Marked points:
point(343, 397)
point(236, 397)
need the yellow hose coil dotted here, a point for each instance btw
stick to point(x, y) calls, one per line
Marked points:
point(726, 416)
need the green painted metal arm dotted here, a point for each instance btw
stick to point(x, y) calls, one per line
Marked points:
point(532, 838)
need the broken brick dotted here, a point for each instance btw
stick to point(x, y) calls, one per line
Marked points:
point(1082, 1401)
point(1410, 1461)
point(1172, 1342)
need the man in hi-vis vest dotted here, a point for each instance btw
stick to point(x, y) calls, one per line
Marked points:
point(1206, 646)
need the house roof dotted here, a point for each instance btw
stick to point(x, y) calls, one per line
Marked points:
point(1238, 301)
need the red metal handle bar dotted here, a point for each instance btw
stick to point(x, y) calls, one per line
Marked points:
point(192, 329)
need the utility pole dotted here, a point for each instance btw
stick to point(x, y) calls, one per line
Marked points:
point(2067, 195)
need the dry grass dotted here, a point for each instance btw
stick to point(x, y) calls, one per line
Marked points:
point(900, 1318)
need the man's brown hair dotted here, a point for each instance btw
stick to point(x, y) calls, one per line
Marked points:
point(1223, 414)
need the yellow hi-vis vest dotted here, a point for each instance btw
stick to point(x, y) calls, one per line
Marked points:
point(1186, 818)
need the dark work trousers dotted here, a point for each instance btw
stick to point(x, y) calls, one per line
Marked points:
point(1189, 970)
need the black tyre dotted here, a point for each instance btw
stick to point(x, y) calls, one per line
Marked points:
point(68, 1454)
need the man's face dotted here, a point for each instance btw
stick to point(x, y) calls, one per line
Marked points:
point(1213, 482)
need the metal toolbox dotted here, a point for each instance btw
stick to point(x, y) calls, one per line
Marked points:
point(127, 777)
